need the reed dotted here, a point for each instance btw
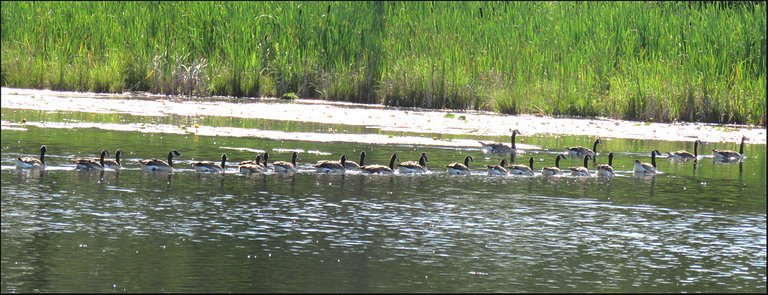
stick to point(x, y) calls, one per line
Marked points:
point(652, 61)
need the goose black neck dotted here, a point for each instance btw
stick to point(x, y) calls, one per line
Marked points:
point(223, 161)
point(741, 147)
point(293, 158)
point(362, 159)
point(594, 146)
point(392, 161)
point(530, 163)
point(266, 159)
point(513, 139)
point(610, 159)
point(170, 159)
point(557, 161)
point(117, 156)
point(586, 161)
point(42, 156)
point(466, 161)
point(696, 149)
point(101, 158)
point(653, 159)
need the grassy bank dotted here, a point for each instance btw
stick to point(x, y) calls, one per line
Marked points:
point(633, 60)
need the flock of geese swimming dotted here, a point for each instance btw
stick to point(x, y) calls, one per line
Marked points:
point(261, 163)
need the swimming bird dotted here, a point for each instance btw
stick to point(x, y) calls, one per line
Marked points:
point(91, 164)
point(604, 170)
point(332, 166)
point(207, 166)
point(683, 155)
point(282, 166)
point(729, 155)
point(552, 171)
point(32, 162)
point(414, 167)
point(583, 170)
point(351, 165)
point(519, 169)
point(380, 169)
point(645, 168)
point(160, 165)
point(500, 148)
point(460, 169)
point(252, 166)
point(580, 151)
point(496, 170)
point(114, 164)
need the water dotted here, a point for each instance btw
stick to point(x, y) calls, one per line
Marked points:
point(685, 230)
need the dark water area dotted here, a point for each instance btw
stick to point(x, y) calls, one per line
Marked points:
point(684, 230)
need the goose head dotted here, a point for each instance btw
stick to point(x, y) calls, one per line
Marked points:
point(171, 154)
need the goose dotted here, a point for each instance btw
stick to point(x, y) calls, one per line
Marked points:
point(519, 169)
point(332, 166)
point(683, 155)
point(645, 167)
point(160, 165)
point(579, 151)
point(114, 164)
point(500, 148)
point(32, 162)
point(552, 171)
point(380, 169)
point(91, 164)
point(604, 170)
point(729, 155)
point(460, 169)
point(282, 166)
point(207, 166)
point(583, 170)
point(496, 170)
point(252, 166)
point(414, 167)
point(351, 165)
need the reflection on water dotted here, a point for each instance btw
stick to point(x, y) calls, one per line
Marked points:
point(696, 227)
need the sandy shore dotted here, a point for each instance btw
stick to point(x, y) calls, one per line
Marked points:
point(384, 118)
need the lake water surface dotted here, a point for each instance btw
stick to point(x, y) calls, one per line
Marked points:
point(685, 230)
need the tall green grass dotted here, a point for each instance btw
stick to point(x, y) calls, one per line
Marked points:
point(660, 61)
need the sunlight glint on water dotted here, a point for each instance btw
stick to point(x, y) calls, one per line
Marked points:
point(68, 231)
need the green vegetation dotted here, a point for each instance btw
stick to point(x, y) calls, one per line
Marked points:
point(659, 61)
